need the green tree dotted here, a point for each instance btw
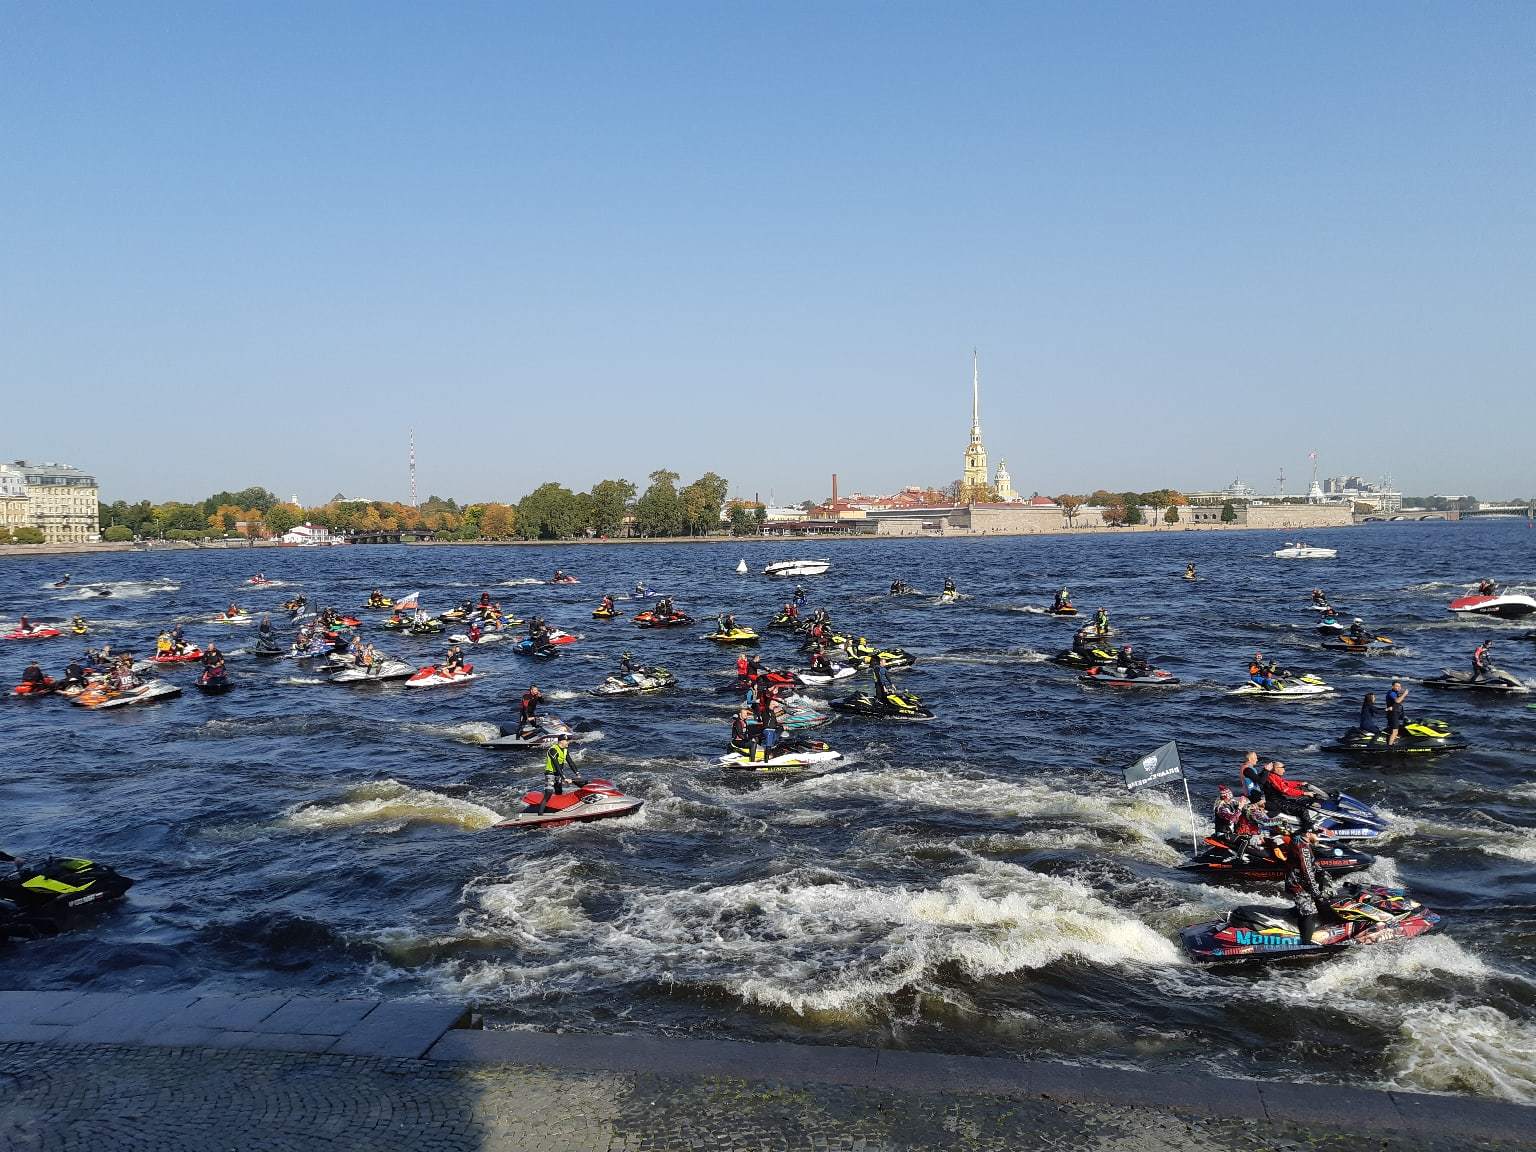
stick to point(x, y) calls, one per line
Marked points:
point(283, 518)
point(1228, 513)
point(5, 534)
point(610, 503)
point(761, 516)
point(28, 535)
point(551, 512)
point(743, 521)
point(117, 533)
point(1172, 515)
point(1069, 505)
point(702, 501)
point(1132, 504)
point(659, 511)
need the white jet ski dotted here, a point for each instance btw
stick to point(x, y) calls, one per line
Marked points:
point(589, 800)
point(386, 670)
point(540, 733)
point(485, 638)
point(1286, 688)
point(97, 698)
point(795, 568)
point(790, 756)
point(814, 679)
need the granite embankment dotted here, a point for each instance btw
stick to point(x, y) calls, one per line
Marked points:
point(194, 1071)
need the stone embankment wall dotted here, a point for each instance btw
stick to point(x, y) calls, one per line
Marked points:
point(986, 520)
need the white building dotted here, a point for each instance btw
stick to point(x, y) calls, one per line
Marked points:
point(308, 535)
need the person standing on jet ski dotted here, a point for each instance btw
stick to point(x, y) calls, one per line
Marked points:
point(1189, 572)
point(1304, 886)
point(949, 587)
point(1368, 710)
point(741, 732)
point(1063, 600)
point(557, 762)
point(1482, 664)
point(1252, 777)
point(527, 707)
point(1397, 719)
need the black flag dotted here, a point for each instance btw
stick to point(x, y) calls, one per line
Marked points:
point(1155, 767)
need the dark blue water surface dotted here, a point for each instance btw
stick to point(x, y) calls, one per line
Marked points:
point(981, 884)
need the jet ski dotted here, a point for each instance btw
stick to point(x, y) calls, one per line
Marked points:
point(45, 899)
point(190, 656)
point(813, 679)
point(1061, 610)
point(1366, 914)
point(433, 677)
point(1494, 680)
point(1218, 861)
point(1342, 817)
point(39, 632)
point(99, 697)
point(610, 614)
point(259, 581)
point(902, 588)
point(636, 682)
point(800, 714)
point(785, 622)
point(734, 636)
point(485, 638)
point(540, 733)
point(1364, 647)
point(268, 649)
point(649, 619)
point(864, 654)
point(381, 602)
point(79, 627)
point(1120, 677)
point(591, 800)
point(1331, 626)
point(1508, 605)
point(526, 647)
point(1287, 688)
point(386, 669)
point(1420, 736)
point(564, 578)
point(413, 627)
point(948, 597)
point(63, 583)
point(317, 646)
point(214, 682)
point(34, 687)
point(1080, 658)
point(897, 706)
point(786, 756)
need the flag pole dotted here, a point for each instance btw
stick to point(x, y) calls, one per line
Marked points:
point(1190, 804)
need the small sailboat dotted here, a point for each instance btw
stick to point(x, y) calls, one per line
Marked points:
point(741, 569)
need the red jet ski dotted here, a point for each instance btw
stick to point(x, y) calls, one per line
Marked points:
point(191, 655)
point(32, 634)
point(651, 620)
point(593, 800)
point(35, 687)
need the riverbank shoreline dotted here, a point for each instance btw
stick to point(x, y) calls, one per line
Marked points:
point(264, 546)
point(325, 1070)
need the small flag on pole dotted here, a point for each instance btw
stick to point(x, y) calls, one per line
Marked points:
point(408, 603)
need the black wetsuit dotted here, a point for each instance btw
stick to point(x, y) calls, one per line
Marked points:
point(1302, 885)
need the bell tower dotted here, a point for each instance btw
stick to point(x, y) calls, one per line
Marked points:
point(974, 484)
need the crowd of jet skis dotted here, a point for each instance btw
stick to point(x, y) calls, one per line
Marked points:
point(1270, 828)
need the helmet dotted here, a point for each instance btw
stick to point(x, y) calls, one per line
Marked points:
point(1357, 620)
point(1224, 792)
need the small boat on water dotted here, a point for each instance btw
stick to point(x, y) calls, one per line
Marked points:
point(797, 568)
point(1301, 551)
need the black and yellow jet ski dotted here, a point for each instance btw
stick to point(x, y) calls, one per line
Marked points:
point(892, 706)
point(1418, 736)
point(48, 898)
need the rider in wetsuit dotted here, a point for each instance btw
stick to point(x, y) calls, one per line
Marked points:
point(1482, 665)
point(526, 709)
point(1304, 885)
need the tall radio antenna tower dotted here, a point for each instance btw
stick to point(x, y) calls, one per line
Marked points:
point(413, 467)
point(1280, 491)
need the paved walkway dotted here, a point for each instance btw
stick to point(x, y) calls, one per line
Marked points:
point(252, 1080)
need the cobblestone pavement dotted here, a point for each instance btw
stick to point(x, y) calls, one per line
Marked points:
point(104, 1099)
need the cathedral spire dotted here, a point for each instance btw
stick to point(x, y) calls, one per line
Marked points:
point(975, 396)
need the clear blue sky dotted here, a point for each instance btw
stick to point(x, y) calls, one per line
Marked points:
point(253, 243)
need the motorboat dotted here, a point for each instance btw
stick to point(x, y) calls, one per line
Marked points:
point(793, 569)
point(1301, 551)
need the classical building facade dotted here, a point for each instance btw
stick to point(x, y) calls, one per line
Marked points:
point(61, 501)
point(13, 498)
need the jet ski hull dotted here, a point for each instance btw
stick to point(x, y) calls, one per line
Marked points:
point(1368, 915)
point(1420, 737)
point(593, 800)
point(782, 758)
point(1496, 682)
point(636, 684)
point(389, 670)
point(1301, 688)
point(1509, 606)
point(98, 699)
point(1155, 678)
point(1221, 864)
point(543, 731)
point(434, 677)
point(861, 704)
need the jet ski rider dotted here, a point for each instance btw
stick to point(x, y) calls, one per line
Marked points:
point(1292, 798)
point(741, 733)
point(1259, 673)
point(213, 659)
point(798, 595)
point(1100, 622)
point(1396, 718)
point(1306, 889)
point(33, 674)
point(1482, 665)
point(1318, 598)
point(74, 675)
point(527, 708)
point(557, 770)
point(1189, 571)
point(820, 661)
point(1129, 663)
point(1367, 724)
point(606, 607)
point(949, 587)
point(1224, 814)
point(1357, 631)
point(454, 660)
point(725, 623)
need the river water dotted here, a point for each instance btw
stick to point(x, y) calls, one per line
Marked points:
point(980, 884)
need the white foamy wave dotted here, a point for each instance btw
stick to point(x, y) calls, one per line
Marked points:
point(303, 680)
point(120, 589)
point(516, 582)
point(1365, 975)
point(468, 732)
point(391, 806)
point(1476, 1049)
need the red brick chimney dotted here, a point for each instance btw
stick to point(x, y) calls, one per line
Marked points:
point(834, 489)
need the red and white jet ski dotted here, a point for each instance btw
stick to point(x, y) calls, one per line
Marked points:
point(592, 800)
point(433, 676)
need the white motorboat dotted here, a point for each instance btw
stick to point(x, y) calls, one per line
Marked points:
point(794, 569)
point(1305, 552)
point(1508, 605)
